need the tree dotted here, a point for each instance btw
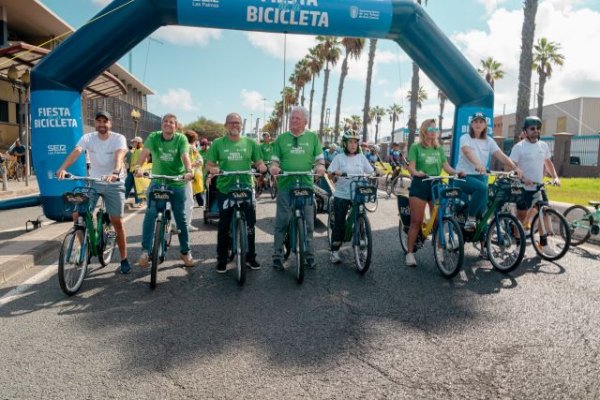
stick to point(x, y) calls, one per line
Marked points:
point(299, 78)
point(315, 65)
point(525, 63)
point(291, 97)
point(206, 128)
point(394, 112)
point(414, 88)
point(329, 50)
point(354, 48)
point(367, 106)
point(421, 96)
point(376, 113)
point(491, 70)
point(544, 57)
point(354, 121)
point(442, 98)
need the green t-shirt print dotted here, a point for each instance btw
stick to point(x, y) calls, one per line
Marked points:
point(427, 159)
point(166, 155)
point(267, 151)
point(296, 154)
point(233, 156)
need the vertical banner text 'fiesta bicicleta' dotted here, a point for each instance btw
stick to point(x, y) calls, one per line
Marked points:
point(360, 18)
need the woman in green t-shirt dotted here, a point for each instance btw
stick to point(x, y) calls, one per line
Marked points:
point(426, 158)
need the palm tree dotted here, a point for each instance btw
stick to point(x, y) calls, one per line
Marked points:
point(329, 51)
point(490, 69)
point(376, 113)
point(354, 48)
point(299, 78)
point(355, 121)
point(442, 98)
point(414, 88)
point(315, 65)
point(544, 57)
point(421, 96)
point(367, 106)
point(290, 97)
point(525, 63)
point(394, 112)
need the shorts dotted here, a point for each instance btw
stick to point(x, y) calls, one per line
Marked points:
point(529, 197)
point(420, 189)
point(114, 197)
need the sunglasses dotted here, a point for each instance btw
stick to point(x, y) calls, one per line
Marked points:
point(432, 129)
point(295, 145)
point(534, 128)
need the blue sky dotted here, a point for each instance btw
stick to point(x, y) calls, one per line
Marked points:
point(208, 72)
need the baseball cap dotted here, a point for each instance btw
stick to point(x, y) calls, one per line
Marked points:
point(203, 141)
point(478, 115)
point(104, 114)
point(137, 139)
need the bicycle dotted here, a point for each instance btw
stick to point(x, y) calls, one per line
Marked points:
point(544, 225)
point(502, 233)
point(237, 197)
point(398, 182)
point(86, 238)
point(163, 230)
point(296, 239)
point(357, 227)
point(447, 238)
point(583, 222)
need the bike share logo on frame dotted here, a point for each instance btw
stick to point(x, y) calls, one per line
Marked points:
point(206, 3)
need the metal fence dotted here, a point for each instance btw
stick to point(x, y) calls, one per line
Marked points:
point(584, 150)
point(122, 122)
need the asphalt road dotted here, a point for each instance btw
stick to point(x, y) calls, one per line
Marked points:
point(396, 332)
point(14, 222)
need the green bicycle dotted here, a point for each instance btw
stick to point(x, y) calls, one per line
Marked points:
point(89, 236)
point(583, 222)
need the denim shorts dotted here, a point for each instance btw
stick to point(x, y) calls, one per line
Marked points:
point(420, 189)
point(114, 197)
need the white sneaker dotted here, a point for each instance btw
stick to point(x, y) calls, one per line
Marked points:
point(410, 260)
point(440, 255)
point(334, 257)
point(192, 228)
point(550, 251)
point(144, 259)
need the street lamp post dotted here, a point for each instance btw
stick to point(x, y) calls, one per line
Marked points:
point(21, 83)
point(135, 115)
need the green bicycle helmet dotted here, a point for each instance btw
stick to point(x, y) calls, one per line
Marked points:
point(532, 120)
point(349, 133)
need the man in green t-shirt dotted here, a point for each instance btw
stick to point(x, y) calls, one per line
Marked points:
point(266, 147)
point(169, 150)
point(297, 150)
point(234, 153)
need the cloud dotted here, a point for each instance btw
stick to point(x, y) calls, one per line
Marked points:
point(252, 100)
point(187, 35)
point(273, 43)
point(491, 5)
point(174, 100)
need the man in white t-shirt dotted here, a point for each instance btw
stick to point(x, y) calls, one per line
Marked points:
point(106, 150)
point(532, 156)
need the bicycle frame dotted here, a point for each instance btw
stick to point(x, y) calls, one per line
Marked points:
point(299, 196)
point(237, 195)
point(441, 194)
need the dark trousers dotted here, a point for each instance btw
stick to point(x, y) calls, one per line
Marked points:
point(225, 218)
point(340, 211)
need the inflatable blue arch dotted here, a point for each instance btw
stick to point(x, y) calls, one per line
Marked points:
point(57, 81)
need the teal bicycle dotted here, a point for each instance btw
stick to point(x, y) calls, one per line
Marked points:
point(89, 236)
point(583, 222)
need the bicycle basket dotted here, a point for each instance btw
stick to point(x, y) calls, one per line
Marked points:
point(160, 194)
point(78, 200)
point(506, 191)
point(404, 209)
point(365, 194)
point(301, 193)
point(240, 194)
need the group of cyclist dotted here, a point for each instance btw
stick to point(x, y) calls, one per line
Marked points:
point(297, 150)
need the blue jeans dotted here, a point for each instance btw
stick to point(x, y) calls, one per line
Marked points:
point(477, 187)
point(282, 220)
point(178, 210)
point(129, 185)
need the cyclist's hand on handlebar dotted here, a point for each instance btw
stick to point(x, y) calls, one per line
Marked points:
point(420, 174)
point(338, 173)
point(275, 170)
point(320, 170)
point(556, 181)
point(262, 169)
point(481, 169)
point(214, 170)
point(61, 173)
point(528, 182)
point(188, 176)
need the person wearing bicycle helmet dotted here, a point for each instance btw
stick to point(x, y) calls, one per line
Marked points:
point(532, 155)
point(351, 162)
point(426, 158)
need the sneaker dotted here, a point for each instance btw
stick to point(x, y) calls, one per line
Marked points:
point(470, 225)
point(483, 254)
point(278, 265)
point(549, 251)
point(410, 260)
point(144, 259)
point(192, 228)
point(187, 259)
point(310, 264)
point(440, 256)
point(125, 267)
point(252, 263)
point(221, 267)
point(334, 257)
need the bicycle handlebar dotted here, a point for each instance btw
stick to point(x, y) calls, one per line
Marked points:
point(174, 178)
point(225, 173)
point(440, 177)
point(298, 173)
point(72, 177)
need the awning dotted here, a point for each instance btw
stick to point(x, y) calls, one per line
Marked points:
point(25, 56)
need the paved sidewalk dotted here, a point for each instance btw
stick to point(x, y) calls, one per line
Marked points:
point(18, 189)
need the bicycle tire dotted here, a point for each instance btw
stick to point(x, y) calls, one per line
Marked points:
point(107, 243)
point(73, 261)
point(403, 236)
point(388, 184)
point(401, 184)
point(241, 239)
point(300, 249)
point(454, 249)
point(157, 248)
point(19, 171)
point(330, 222)
point(564, 234)
point(363, 250)
point(582, 233)
point(506, 224)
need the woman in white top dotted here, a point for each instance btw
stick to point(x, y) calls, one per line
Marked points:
point(350, 162)
point(476, 150)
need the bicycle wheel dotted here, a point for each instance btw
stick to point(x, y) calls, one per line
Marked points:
point(241, 241)
point(449, 258)
point(107, 242)
point(505, 242)
point(555, 243)
point(330, 222)
point(401, 184)
point(388, 184)
point(73, 260)
point(403, 235)
point(579, 224)
point(20, 171)
point(299, 249)
point(157, 250)
point(363, 250)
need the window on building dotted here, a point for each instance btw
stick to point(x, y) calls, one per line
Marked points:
point(3, 111)
point(561, 124)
